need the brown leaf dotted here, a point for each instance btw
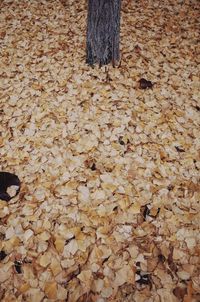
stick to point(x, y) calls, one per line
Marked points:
point(144, 84)
point(51, 290)
point(180, 292)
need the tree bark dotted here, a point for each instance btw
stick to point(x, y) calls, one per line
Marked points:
point(103, 28)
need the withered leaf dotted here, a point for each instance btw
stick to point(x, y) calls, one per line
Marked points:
point(145, 279)
point(180, 292)
point(121, 141)
point(144, 84)
point(2, 255)
point(7, 180)
point(93, 167)
point(137, 49)
point(18, 267)
point(178, 149)
point(161, 258)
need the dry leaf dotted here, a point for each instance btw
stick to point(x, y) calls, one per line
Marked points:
point(86, 278)
point(50, 290)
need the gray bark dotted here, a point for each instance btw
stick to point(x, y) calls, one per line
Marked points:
point(103, 28)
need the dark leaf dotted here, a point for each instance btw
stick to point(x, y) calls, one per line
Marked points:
point(2, 236)
point(93, 167)
point(170, 187)
point(6, 180)
point(144, 278)
point(137, 49)
point(180, 292)
point(138, 266)
point(161, 258)
point(2, 255)
point(121, 140)
point(18, 267)
point(178, 149)
point(146, 212)
point(144, 84)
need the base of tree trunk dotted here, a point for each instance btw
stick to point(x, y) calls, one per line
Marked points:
point(103, 27)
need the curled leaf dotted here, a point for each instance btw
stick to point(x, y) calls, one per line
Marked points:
point(18, 267)
point(144, 84)
point(9, 181)
point(2, 255)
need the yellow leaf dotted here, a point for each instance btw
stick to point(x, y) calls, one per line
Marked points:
point(23, 288)
point(45, 259)
point(86, 278)
point(59, 244)
point(55, 267)
point(51, 290)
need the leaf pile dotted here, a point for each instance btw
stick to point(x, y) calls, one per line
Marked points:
point(108, 209)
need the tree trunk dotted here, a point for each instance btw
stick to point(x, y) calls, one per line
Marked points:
point(103, 27)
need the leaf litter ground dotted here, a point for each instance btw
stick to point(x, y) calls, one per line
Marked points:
point(108, 158)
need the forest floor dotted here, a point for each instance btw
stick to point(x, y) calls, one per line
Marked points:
point(109, 203)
